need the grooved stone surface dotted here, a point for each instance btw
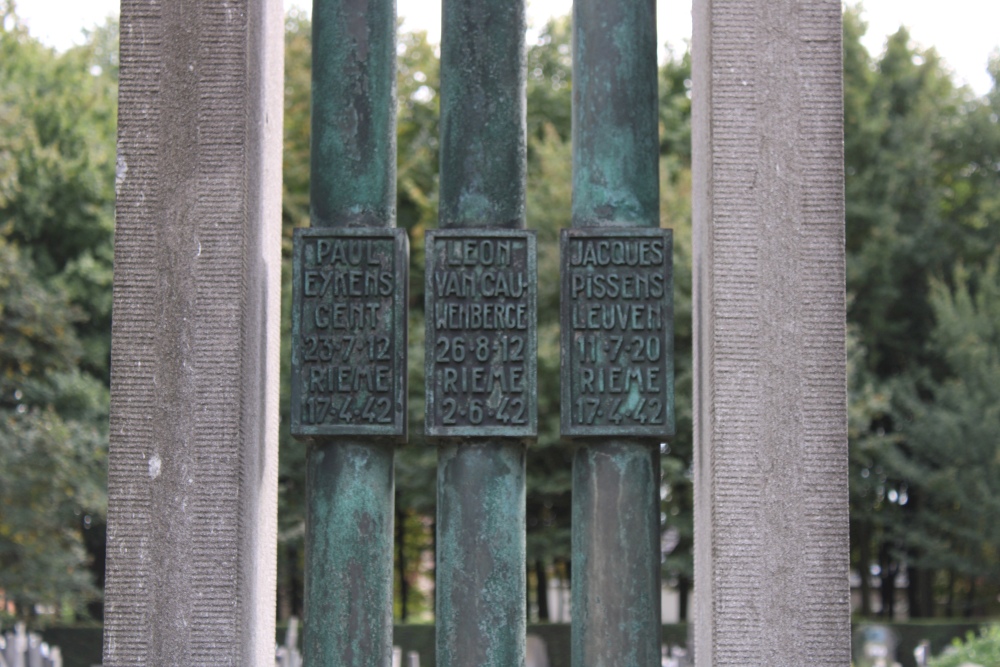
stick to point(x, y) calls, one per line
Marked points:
point(193, 462)
point(771, 530)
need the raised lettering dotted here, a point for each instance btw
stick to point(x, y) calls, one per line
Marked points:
point(617, 333)
point(480, 310)
point(348, 360)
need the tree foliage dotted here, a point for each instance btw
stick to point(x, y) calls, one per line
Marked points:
point(57, 147)
point(949, 448)
point(923, 170)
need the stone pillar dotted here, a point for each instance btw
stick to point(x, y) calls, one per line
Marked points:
point(770, 418)
point(192, 481)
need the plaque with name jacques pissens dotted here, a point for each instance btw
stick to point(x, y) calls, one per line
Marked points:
point(349, 294)
point(617, 333)
point(481, 347)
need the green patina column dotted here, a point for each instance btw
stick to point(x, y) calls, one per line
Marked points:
point(348, 560)
point(349, 335)
point(617, 336)
point(352, 179)
point(486, 331)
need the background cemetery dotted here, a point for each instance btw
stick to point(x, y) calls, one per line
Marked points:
point(923, 225)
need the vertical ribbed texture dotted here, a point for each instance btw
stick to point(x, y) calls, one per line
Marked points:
point(771, 532)
point(193, 463)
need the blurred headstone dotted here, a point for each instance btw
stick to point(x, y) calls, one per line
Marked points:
point(875, 646)
point(536, 653)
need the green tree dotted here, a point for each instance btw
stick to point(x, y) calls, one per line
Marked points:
point(921, 182)
point(677, 455)
point(57, 161)
point(950, 450)
point(52, 445)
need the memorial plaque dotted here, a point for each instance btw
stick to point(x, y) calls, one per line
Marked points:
point(349, 290)
point(617, 332)
point(481, 347)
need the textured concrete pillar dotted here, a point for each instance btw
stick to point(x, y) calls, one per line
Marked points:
point(194, 387)
point(771, 531)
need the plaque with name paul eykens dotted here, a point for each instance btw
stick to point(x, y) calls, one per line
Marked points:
point(349, 297)
point(617, 332)
point(481, 347)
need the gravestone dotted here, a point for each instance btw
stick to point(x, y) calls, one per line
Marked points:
point(770, 402)
point(192, 479)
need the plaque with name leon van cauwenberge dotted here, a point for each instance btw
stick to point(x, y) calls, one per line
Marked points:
point(481, 350)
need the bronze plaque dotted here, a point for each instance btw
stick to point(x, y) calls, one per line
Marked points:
point(481, 346)
point(349, 289)
point(617, 332)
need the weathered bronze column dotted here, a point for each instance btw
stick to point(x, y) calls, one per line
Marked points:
point(617, 335)
point(349, 335)
point(481, 344)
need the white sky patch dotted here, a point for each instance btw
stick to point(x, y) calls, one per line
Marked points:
point(964, 32)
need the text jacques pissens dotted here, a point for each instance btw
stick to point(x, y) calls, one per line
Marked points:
point(617, 332)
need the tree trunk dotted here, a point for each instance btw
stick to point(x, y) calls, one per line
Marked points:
point(434, 555)
point(284, 593)
point(949, 608)
point(864, 571)
point(297, 578)
point(542, 581)
point(683, 592)
point(916, 592)
point(404, 586)
point(970, 599)
point(888, 581)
